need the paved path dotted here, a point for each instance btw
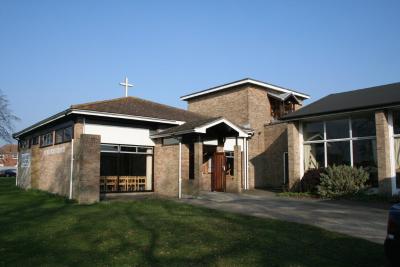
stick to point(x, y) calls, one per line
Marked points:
point(350, 218)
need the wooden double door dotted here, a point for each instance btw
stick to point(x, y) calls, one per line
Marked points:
point(218, 177)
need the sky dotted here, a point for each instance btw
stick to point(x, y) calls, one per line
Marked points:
point(57, 53)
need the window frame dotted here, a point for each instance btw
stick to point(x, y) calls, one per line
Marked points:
point(63, 139)
point(51, 133)
point(325, 140)
point(395, 136)
point(118, 152)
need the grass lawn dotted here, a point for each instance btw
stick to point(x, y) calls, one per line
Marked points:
point(40, 229)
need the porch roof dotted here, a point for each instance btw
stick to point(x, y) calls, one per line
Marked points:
point(201, 126)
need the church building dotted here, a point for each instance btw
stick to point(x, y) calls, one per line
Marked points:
point(129, 145)
point(238, 136)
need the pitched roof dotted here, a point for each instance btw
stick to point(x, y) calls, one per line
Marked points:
point(192, 126)
point(368, 98)
point(9, 148)
point(241, 82)
point(187, 126)
point(134, 106)
point(284, 97)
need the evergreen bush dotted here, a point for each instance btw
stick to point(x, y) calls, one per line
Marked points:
point(342, 180)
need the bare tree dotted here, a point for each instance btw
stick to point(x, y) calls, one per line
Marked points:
point(7, 119)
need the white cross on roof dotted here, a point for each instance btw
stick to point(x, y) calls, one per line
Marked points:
point(127, 85)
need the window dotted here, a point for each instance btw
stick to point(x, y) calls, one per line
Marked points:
point(342, 141)
point(132, 164)
point(34, 141)
point(230, 163)
point(59, 136)
point(313, 131)
point(364, 155)
point(64, 135)
point(396, 122)
point(109, 148)
point(396, 130)
point(363, 125)
point(191, 161)
point(15, 156)
point(23, 144)
point(336, 129)
point(126, 168)
point(1, 156)
point(314, 156)
point(397, 159)
point(46, 139)
point(338, 153)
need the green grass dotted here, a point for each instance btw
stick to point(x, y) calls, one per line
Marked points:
point(41, 229)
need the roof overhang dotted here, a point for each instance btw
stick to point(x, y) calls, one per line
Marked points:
point(92, 113)
point(241, 82)
point(339, 113)
point(202, 129)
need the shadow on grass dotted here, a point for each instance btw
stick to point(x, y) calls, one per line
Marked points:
point(39, 229)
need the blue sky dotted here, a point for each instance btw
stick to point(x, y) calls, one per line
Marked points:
point(57, 53)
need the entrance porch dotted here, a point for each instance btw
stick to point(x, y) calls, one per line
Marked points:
point(211, 156)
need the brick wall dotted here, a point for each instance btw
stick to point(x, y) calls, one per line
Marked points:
point(87, 169)
point(383, 143)
point(246, 106)
point(294, 155)
point(50, 168)
point(232, 105)
point(166, 169)
point(276, 143)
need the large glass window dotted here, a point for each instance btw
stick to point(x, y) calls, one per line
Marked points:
point(126, 168)
point(363, 125)
point(336, 129)
point(396, 131)
point(338, 153)
point(342, 141)
point(396, 122)
point(313, 131)
point(397, 160)
point(314, 156)
point(364, 155)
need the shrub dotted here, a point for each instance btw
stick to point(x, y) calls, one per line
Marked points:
point(342, 180)
point(311, 180)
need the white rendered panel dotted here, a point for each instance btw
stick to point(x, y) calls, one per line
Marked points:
point(120, 135)
point(229, 143)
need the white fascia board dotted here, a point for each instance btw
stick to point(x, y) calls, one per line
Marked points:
point(93, 113)
point(42, 123)
point(121, 116)
point(204, 128)
point(262, 84)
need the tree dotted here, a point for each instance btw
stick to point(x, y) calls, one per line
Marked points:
point(7, 119)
